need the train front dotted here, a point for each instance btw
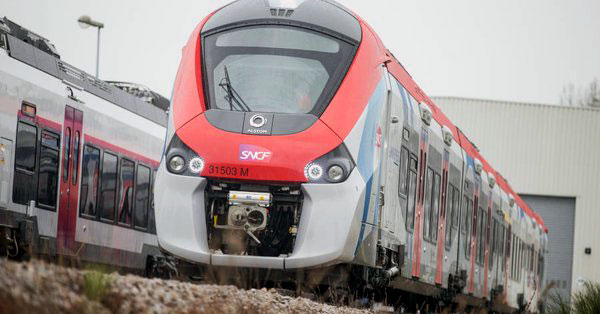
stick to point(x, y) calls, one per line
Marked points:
point(265, 129)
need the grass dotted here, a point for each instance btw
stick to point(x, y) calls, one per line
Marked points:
point(95, 285)
point(585, 301)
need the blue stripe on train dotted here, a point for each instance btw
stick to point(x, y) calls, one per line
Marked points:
point(366, 153)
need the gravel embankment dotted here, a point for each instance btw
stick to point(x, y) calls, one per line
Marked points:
point(38, 287)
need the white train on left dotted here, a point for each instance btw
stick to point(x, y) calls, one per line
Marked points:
point(78, 158)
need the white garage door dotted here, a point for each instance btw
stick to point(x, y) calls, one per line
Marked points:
point(559, 216)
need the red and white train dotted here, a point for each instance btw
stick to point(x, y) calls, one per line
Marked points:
point(77, 159)
point(297, 143)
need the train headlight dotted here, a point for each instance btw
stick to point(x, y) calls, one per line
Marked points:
point(182, 160)
point(313, 172)
point(176, 164)
point(335, 173)
point(333, 167)
point(196, 165)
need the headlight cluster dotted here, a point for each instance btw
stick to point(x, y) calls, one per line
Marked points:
point(333, 167)
point(182, 160)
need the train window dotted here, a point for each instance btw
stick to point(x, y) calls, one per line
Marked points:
point(26, 148)
point(50, 139)
point(108, 186)
point(493, 243)
point(412, 193)
point(90, 170)
point(449, 213)
point(482, 233)
point(427, 204)
point(125, 191)
point(402, 178)
point(463, 217)
point(435, 207)
point(512, 255)
point(514, 260)
point(151, 222)
point(501, 249)
point(48, 170)
point(142, 197)
point(25, 158)
point(75, 157)
point(467, 225)
point(273, 69)
point(67, 154)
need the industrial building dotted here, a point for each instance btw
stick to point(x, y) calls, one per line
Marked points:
point(551, 157)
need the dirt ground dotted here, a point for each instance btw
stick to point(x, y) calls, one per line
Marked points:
point(39, 287)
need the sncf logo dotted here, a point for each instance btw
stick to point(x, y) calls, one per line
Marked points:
point(254, 153)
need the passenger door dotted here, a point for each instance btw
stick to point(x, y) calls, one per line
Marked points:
point(69, 178)
point(391, 211)
point(419, 210)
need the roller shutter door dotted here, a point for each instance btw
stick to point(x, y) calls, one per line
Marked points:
point(559, 216)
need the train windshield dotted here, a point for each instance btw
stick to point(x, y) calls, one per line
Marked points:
point(276, 69)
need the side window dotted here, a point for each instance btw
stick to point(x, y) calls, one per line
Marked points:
point(108, 187)
point(435, 207)
point(142, 197)
point(402, 182)
point(450, 209)
point(90, 172)
point(412, 193)
point(151, 222)
point(125, 191)
point(501, 245)
point(427, 204)
point(468, 226)
point(67, 154)
point(76, 157)
point(514, 257)
point(26, 148)
point(456, 201)
point(493, 243)
point(25, 158)
point(481, 233)
point(48, 171)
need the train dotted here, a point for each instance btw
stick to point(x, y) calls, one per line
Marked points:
point(78, 160)
point(298, 147)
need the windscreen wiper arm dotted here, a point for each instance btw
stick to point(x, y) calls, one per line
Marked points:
point(232, 95)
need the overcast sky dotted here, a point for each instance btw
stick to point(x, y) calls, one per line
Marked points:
point(519, 50)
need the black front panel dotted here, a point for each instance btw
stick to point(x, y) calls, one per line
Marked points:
point(276, 124)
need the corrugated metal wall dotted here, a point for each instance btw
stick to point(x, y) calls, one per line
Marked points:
point(542, 150)
point(558, 214)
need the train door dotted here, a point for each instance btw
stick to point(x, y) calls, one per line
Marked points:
point(391, 219)
point(507, 257)
point(418, 228)
point(5, 153)
point(473, 236)
point(441, 240)
point(69, 177)
point(486, 243)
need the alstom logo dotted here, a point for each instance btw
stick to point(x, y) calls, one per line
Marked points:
point(254, 153)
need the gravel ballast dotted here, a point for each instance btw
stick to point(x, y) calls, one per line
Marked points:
point(39, 287)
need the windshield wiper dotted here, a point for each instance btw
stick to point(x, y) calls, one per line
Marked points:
point(232, 95)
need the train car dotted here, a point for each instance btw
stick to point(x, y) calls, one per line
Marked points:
point(298, 145)
point(78, 158)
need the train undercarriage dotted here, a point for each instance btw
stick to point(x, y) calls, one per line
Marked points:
point(352, 285)
point(20, 241)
